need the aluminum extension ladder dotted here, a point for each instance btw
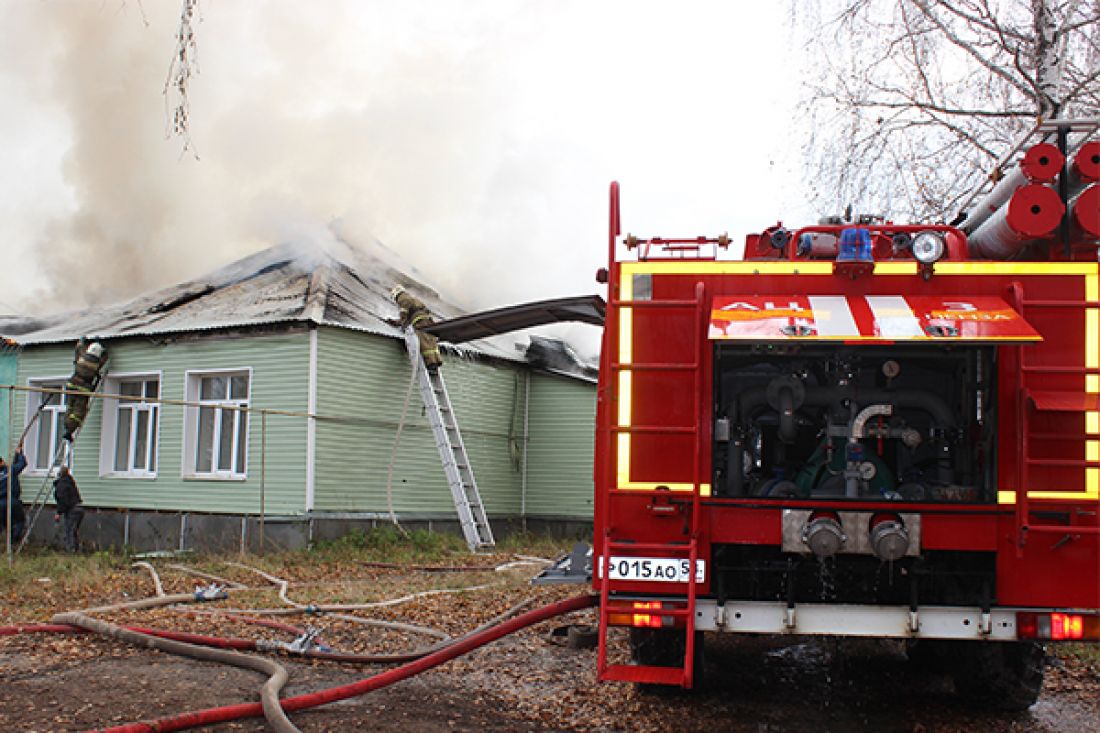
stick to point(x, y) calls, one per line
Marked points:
point(452, 451)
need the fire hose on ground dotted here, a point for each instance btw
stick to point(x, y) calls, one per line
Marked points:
point(269, 693)
point(458, 648)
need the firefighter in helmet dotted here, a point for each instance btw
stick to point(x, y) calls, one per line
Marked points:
point(416, 314)
point(88, 365)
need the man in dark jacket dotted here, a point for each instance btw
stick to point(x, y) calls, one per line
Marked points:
point(18, 518)
point(67, 496)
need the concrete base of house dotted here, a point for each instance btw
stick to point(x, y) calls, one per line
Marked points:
point(169, 532)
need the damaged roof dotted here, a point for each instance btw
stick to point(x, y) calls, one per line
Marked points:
point(336, 285)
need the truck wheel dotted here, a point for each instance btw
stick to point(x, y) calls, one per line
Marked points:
point(1001, 675)
point(664, 648)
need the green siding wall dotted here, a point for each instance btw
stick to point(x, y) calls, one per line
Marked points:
point(367, 377)
point(561, 431)
point(279, 365)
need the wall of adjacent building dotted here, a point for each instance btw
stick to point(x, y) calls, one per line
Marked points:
point(561, 427)
point(279, 366)
point(366, 378)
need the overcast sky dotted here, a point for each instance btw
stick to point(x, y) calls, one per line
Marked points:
point(477, 138)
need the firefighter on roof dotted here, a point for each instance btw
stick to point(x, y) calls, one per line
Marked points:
point(88, 365)
point(416, 314)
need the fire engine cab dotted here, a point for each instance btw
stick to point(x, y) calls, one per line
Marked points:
point(861, 428)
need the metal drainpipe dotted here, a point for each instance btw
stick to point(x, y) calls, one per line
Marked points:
point(526, 439)
point(263, 477)
point(11, 462)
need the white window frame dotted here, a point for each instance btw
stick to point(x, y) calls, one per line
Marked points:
point(53, 412)
point(192, 394)
point(111, 409)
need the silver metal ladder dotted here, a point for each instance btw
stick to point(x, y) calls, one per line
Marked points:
point(452, 451)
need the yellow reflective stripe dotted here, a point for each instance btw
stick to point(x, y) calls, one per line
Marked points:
point(1092, 338)
point(1092, 422)
point(622, 474)
point(1092, 383)
point(895, 268)
point(740, 267)
point(704, 489)
point(626, 384)
point(1016, 268)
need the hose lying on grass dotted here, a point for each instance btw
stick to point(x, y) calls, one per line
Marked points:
point(459, 647)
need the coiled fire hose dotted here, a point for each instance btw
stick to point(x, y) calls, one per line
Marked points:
point(459, 647)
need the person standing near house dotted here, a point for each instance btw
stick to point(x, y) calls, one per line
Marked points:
point(67, 496)
point(11, 474)
point(88, 365)
point(414, 313)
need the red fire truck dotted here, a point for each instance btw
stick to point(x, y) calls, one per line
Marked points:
point(861, 428)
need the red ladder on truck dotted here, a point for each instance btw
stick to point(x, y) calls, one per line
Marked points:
point(1031, 401)
point(689, 549)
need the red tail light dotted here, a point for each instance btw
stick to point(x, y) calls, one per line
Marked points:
point(634, 614)
point(1058, 626)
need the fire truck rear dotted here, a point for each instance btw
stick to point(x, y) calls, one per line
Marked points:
point(860, 429)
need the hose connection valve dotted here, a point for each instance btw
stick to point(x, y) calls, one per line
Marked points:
point(212, 592)
point(305, 643)
point(889, 537)
point(823, 534)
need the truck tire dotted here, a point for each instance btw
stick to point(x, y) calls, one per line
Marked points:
point(1000, 675)
point(664, 648)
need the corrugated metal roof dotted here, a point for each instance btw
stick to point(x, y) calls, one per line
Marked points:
point(338, 285)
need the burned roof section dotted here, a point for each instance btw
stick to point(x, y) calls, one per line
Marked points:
point(336, 285)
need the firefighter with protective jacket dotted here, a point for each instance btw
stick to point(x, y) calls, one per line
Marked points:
point(88, 365)
point(414, 313)
point(67, 496)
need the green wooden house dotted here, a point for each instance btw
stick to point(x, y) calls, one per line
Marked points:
point(274, 391)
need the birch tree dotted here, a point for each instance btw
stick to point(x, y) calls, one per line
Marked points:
point(912, 102)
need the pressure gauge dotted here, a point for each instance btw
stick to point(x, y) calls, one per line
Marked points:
point(867, 470)
point(891, 369)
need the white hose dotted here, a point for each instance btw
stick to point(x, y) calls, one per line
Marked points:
point(207, 576)
point(345, 606)
point(153, 572)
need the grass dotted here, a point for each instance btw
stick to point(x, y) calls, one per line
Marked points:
point(1087, 654)
point(40, 577)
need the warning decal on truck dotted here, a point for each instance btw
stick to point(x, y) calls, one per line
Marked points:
point(886, 318)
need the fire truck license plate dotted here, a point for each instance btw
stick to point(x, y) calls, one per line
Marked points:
point(658, 569)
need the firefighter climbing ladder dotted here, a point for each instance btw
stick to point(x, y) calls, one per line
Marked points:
point(452, 451)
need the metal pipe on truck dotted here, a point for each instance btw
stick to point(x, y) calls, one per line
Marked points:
point(1033, 212)
point(1085, 168)
point(1085, 214)
point(1041, 164)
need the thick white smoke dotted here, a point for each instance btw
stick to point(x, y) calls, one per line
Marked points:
point(476, 139)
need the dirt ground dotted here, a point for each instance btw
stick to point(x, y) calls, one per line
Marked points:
point(525, 682)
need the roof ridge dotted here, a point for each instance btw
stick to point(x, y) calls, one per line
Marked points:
point(317, 294)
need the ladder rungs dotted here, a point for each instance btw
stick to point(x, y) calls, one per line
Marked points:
point(644, 674)
point(656, 367)
point(616, 545)
point(655, 429)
